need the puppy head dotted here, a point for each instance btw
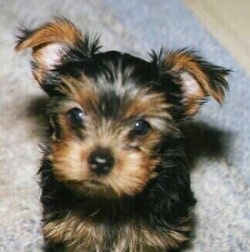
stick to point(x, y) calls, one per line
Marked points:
point(110, 112)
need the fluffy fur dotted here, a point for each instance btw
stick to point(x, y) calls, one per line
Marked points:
point(124, 109)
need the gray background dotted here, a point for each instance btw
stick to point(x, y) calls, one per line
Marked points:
point(217, 140)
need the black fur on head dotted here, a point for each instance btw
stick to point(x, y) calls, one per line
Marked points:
point(115, 164)
point(59, 48)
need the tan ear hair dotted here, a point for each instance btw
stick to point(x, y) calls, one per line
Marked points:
point(196, 77)
point(49, 44)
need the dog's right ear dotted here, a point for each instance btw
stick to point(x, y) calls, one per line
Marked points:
point(50, 44)
point(194, 80)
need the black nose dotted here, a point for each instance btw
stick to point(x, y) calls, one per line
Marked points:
point(101, 161)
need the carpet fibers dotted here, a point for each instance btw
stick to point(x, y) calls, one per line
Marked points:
point(218, 142)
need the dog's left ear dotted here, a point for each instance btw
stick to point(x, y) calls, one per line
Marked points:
point(51, 43)
point(194, 79)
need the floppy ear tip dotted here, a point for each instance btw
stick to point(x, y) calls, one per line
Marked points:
point(218, 84)
point(21, 37)
point(220, 96)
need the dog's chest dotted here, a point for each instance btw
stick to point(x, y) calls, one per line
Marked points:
point(86, 235)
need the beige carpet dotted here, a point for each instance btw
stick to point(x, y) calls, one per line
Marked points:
point(218, 142)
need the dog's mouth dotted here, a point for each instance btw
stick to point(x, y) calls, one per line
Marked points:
point(92, 188)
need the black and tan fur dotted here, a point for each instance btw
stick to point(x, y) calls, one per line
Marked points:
point(126, 110)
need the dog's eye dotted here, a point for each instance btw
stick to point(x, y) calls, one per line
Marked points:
point(141, 127)
point(75, 116)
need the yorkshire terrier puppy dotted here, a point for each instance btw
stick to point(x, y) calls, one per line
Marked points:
point(114, 176)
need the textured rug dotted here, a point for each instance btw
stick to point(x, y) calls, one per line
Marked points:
point(218, 140)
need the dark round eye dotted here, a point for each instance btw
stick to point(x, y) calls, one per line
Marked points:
point(141, 127)
point(75, 116)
